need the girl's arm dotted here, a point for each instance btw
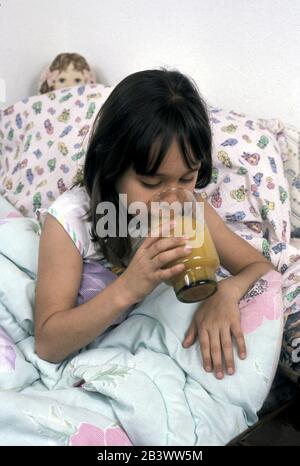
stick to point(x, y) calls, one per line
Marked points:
point(239, 284)
point(218, 318)
point(60, 327)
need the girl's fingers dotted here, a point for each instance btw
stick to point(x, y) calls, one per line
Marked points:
point(163, 230)
point(190, 335)
point(165, 244)
point(166, 257)
point(216, 355)
point(240, 340)
point(205, 349)
point(167, 274)
point(226, 342)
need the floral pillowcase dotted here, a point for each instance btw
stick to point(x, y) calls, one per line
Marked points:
point(288, 138)
point(43, 141)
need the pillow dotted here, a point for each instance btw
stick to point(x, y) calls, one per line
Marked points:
point(288, 138)
point(248, 187)
point(42, 144)
point(44, 139)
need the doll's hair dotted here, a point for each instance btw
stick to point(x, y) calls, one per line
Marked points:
point(61, 63)
point(135, 128)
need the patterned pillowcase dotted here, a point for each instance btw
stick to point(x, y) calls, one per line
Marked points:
point(42, 144)
point(288, 138)
point(248, 187)
point(43, 141)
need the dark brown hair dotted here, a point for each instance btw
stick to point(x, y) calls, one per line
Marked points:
point(146, 107)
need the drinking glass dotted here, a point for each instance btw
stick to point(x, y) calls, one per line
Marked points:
point(198, 280)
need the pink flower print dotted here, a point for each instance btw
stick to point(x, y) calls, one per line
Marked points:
point(87, 434)
point(7, 353)
point(263, 303)
point(116, 436)
point(90, 435)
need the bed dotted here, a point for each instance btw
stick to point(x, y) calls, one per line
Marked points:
point(100, 396)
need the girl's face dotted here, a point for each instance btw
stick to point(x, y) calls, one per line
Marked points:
point(69, 77)
point(172, 173)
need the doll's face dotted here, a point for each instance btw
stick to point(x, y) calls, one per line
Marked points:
point(69, 77)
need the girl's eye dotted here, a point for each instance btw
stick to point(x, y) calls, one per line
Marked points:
point(147, 185)
point(77, 80)
point(61, 80)
point(187, 181)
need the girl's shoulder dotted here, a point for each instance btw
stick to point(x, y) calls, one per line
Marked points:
point(71, 210)
point(75, 201)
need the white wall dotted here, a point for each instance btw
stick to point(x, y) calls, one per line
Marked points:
point(243, 54)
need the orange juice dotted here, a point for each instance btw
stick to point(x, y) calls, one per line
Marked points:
point(198, 280)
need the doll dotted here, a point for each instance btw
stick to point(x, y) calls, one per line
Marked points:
point(66, 70)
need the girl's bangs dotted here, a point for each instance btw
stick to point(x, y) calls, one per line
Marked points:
point(149, 155)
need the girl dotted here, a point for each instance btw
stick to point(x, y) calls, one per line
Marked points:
point(152, 133)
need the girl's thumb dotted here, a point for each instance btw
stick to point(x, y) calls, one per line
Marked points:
point(190, 335)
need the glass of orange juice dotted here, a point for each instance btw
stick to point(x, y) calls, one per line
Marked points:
point(198, 280)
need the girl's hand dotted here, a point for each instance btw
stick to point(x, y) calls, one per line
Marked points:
point(215, 322)
point(148, 268)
